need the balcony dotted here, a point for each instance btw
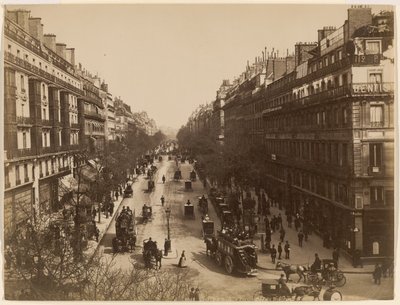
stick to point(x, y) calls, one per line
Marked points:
point(46, 150)
point(19, 153)
point(376, 124)
point(94, 115)
point(75, 125)
point(22, 120)
point(26, 65)
point(47, 123)
point(25, 43)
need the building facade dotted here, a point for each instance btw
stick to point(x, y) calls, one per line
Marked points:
point(41, 117)
point(326, 124)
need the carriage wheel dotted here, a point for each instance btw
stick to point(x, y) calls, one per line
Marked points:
point(332, 295)
point(228, 264)
point(341, 280)
point(218, 258)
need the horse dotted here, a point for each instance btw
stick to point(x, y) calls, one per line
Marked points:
point(291, 269)
point(158, 256)
point(211, 246)
point(302, 291)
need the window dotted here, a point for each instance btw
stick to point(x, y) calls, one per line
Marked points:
point(376, 115)
point(44, 114)
point(375, 248)
point(22, 83)
point(26, 57)
point(375, 155)
point(26, 172)
point(332, 58)
point(344, 116)
point(344, 154)
point(24, 143)
point(17, 176)
point(44, 91)
point(33, 172)
point(376, 195)
point(340, 55)
point(372, 47)
point(18, 53)
point(375, 78)
point(41, 168)
point(46, 163)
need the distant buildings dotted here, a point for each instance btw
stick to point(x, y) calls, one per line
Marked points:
point(325, 119)
point(53, 109)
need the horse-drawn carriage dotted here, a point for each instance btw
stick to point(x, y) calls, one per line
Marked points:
point(128, 192)
point(193, 175)
point(150, 185)
point(330, 275)
point(207, 227)
point(227, 218)
point(189, 210)
point(234, 254)
point(273, 290)
point(151, 254)
point(125, 239)
point(146, 213)
point(177, 175)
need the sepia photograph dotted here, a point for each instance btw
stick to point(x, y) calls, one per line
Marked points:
point(199, 152)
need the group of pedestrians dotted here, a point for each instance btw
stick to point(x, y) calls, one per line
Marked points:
point(194, 294)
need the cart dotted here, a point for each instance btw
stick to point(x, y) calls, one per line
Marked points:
point(272, 290)
point(189, 211)
point(146, 213)
point(330, 275)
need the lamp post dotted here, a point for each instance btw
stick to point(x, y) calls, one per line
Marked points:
point(168, 214)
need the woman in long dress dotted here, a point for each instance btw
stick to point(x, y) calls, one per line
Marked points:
point(182, 260)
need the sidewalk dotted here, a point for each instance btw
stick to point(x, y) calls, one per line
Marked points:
point(103, 227)
point(300, 255)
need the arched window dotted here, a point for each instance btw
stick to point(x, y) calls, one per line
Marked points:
point(22, 83)
point(375, 248)
point(43, 91)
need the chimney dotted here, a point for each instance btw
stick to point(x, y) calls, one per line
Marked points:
point(357, 17)
point(20, 17)
point(50, 41)
point(70, 55)
point(301, 52)
point(327, 30)
point(60, 49)
point(36, 28)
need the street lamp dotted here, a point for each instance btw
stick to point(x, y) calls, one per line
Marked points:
point(168, 214)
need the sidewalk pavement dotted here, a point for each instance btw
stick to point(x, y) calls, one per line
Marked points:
point(300, 255)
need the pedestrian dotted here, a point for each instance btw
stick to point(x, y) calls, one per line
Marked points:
point(305, 231)
point(297, 223)
point(116, 194)
point(279, 220)
point(191, 294)
point(289, 220)
point(163, 179)
point(282, 234)
point(273, 254)
point(96, 233)
point(94, 213)
point(287, 250)
point(300, 237)
point(197, 294)
point(182, 260)
point(111, 208)
point(377, 274)
point(335, 257)
point(273, 219)
point(162, 200)
point(268, 238)
point(280, 251)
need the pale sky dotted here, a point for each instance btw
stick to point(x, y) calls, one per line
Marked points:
point(168, 59)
